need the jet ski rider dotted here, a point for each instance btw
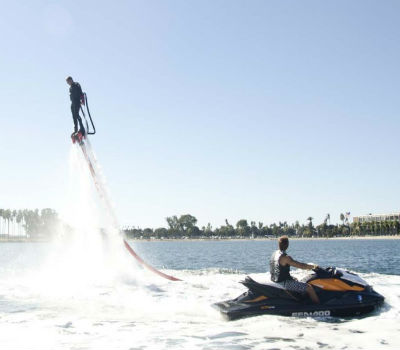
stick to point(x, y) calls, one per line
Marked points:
point(280, 264)
point(76, 96)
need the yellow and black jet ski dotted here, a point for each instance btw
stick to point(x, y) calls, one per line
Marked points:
point(341, 293)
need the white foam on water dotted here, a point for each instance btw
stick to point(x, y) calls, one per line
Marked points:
point(120, 313)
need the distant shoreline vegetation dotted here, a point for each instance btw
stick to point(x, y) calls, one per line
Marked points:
point(28, 224)
point(185, 227)
point(39, 225)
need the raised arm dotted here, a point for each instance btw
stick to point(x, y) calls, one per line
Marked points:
point(287, 260)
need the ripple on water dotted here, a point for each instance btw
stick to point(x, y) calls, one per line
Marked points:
point(275, 339)
point(226, 335)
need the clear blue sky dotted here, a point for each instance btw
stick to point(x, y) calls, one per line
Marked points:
point(264, 110)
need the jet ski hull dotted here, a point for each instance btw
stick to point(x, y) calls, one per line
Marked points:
point(233, 311)
point(271, 300)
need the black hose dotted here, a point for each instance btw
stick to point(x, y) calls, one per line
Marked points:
point(90, 117)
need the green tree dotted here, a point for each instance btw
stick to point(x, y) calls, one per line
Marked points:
point(274, 228)
point(7, 216)
point(186, 222)
point(193, 231)
point(19, 219)
point(208, 231)
point(243, 228)
point(1, 221)
point(254, 231)
point(148, 232)
point(310, 229)
point(327, 219)
point(161, 232)
point(173, 223)
point(342, 218)
point(226, 230)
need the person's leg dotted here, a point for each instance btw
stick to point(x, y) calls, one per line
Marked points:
point(311, 293)
point(74, 118)
point(77, 118)
point(81, 127)
point(301, 287)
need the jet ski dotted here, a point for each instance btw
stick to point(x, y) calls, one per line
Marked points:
point(341, 293)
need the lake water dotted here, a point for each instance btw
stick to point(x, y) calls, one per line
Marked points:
point(79, 295)
point(250, 256)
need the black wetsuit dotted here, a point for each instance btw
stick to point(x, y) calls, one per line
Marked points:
point(75, 93)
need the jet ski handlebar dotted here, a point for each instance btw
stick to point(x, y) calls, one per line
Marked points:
point(327, 272)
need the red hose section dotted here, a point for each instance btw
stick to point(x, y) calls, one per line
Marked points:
point(151, 268)
point(126, 244)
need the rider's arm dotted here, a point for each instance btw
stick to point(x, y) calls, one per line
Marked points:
point(287, 260)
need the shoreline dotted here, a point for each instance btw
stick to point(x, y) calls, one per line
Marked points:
point(394, 237)
point(265, 239)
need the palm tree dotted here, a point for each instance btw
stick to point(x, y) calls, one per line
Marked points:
point(1, 221)
point(13, 217)
point(310, 230)
point(342, 218)
point(396, 227)
point(7, 216)
point(19, 218)
point(393, 227)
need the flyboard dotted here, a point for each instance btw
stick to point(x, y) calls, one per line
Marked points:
point(83, 142)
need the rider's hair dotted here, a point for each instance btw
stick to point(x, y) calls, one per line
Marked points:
point(283, 243)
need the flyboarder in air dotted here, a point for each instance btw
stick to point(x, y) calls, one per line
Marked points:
point(80, 138)
point(76, 96)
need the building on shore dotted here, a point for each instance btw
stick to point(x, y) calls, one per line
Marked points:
point(376, 218)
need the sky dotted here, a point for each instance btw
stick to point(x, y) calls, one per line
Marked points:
point(263, 110)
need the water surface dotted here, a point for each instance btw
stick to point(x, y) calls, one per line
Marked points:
point(55, 296)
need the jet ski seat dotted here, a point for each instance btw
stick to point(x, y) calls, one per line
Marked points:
point(270, 289)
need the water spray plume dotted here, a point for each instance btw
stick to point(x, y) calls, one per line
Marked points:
point(112, 225)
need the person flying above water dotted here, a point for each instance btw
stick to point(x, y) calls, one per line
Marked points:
point(280, 264)
point(76, 96)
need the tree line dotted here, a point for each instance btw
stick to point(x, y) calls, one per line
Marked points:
point(42, 224)
point(28, 223)
point(185, 226)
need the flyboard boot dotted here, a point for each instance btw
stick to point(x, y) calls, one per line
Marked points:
point(78, 136)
